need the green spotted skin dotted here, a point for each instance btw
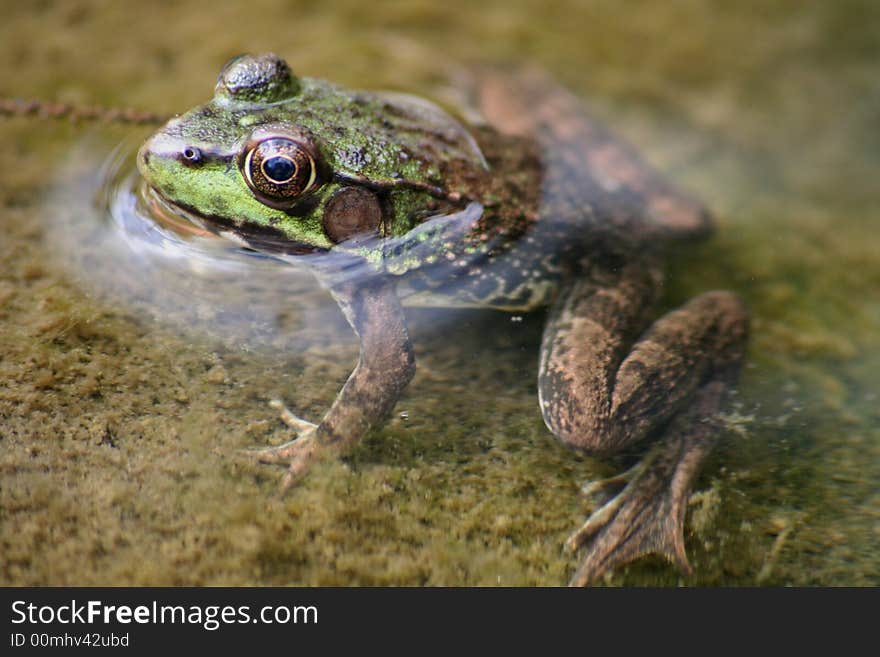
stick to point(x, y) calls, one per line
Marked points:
point(412, 154)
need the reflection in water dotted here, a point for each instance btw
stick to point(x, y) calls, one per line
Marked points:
point(121, 244)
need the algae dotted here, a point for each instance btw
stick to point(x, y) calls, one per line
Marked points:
point(118, 430)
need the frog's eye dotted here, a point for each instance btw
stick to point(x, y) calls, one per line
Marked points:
point(280, 169)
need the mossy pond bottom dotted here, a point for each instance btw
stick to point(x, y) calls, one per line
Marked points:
point(120, 422)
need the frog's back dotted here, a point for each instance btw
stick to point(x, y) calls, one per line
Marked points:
point(574, 199)
point(591, 177)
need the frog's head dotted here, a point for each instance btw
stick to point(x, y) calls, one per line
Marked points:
point(306, 163)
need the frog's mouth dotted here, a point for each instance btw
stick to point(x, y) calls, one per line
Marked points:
point(188, 224)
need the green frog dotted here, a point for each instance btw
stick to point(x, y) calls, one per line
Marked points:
point(392, 201)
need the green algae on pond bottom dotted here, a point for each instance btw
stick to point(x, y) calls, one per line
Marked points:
point(118, 431)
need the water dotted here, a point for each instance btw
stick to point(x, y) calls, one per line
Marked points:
point(119, 422)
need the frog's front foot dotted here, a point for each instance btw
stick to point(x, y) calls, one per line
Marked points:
point(646, 516)
point(298, 453)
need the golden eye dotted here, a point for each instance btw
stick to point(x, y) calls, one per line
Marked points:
point(280, 169)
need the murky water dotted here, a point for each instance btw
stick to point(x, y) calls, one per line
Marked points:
point(122, 405)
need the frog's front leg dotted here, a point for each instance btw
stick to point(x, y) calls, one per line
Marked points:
point(605, 383)
point(385, 366)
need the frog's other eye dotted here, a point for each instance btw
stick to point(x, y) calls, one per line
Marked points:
point(280, 169)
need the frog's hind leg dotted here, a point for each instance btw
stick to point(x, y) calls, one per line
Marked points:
point(604, 387)
point(647, 515)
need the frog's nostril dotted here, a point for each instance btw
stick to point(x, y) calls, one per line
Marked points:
point(192, 155)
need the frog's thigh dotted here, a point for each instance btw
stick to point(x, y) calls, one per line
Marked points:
point(600, 391)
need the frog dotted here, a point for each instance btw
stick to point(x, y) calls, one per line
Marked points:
point(527, 204)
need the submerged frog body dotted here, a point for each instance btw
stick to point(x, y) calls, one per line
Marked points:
point(389, 199)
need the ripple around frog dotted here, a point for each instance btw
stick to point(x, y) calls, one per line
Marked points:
point(123, 243)
point(120, 243)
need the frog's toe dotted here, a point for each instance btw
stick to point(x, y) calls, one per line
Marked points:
point(293, 421)
point(599, 491)
point(300, 462)
point(298, 454)
point(275, 454)
point(645, 517)
point(289, 450)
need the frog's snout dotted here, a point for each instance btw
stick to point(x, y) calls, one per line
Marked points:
point(148, 158)
point(143, 158)
point(160, 153)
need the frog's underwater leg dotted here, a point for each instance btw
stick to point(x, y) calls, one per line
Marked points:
point(604, 387)
point(385, 366)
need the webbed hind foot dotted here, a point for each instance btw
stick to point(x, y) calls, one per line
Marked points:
point(645, 517)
